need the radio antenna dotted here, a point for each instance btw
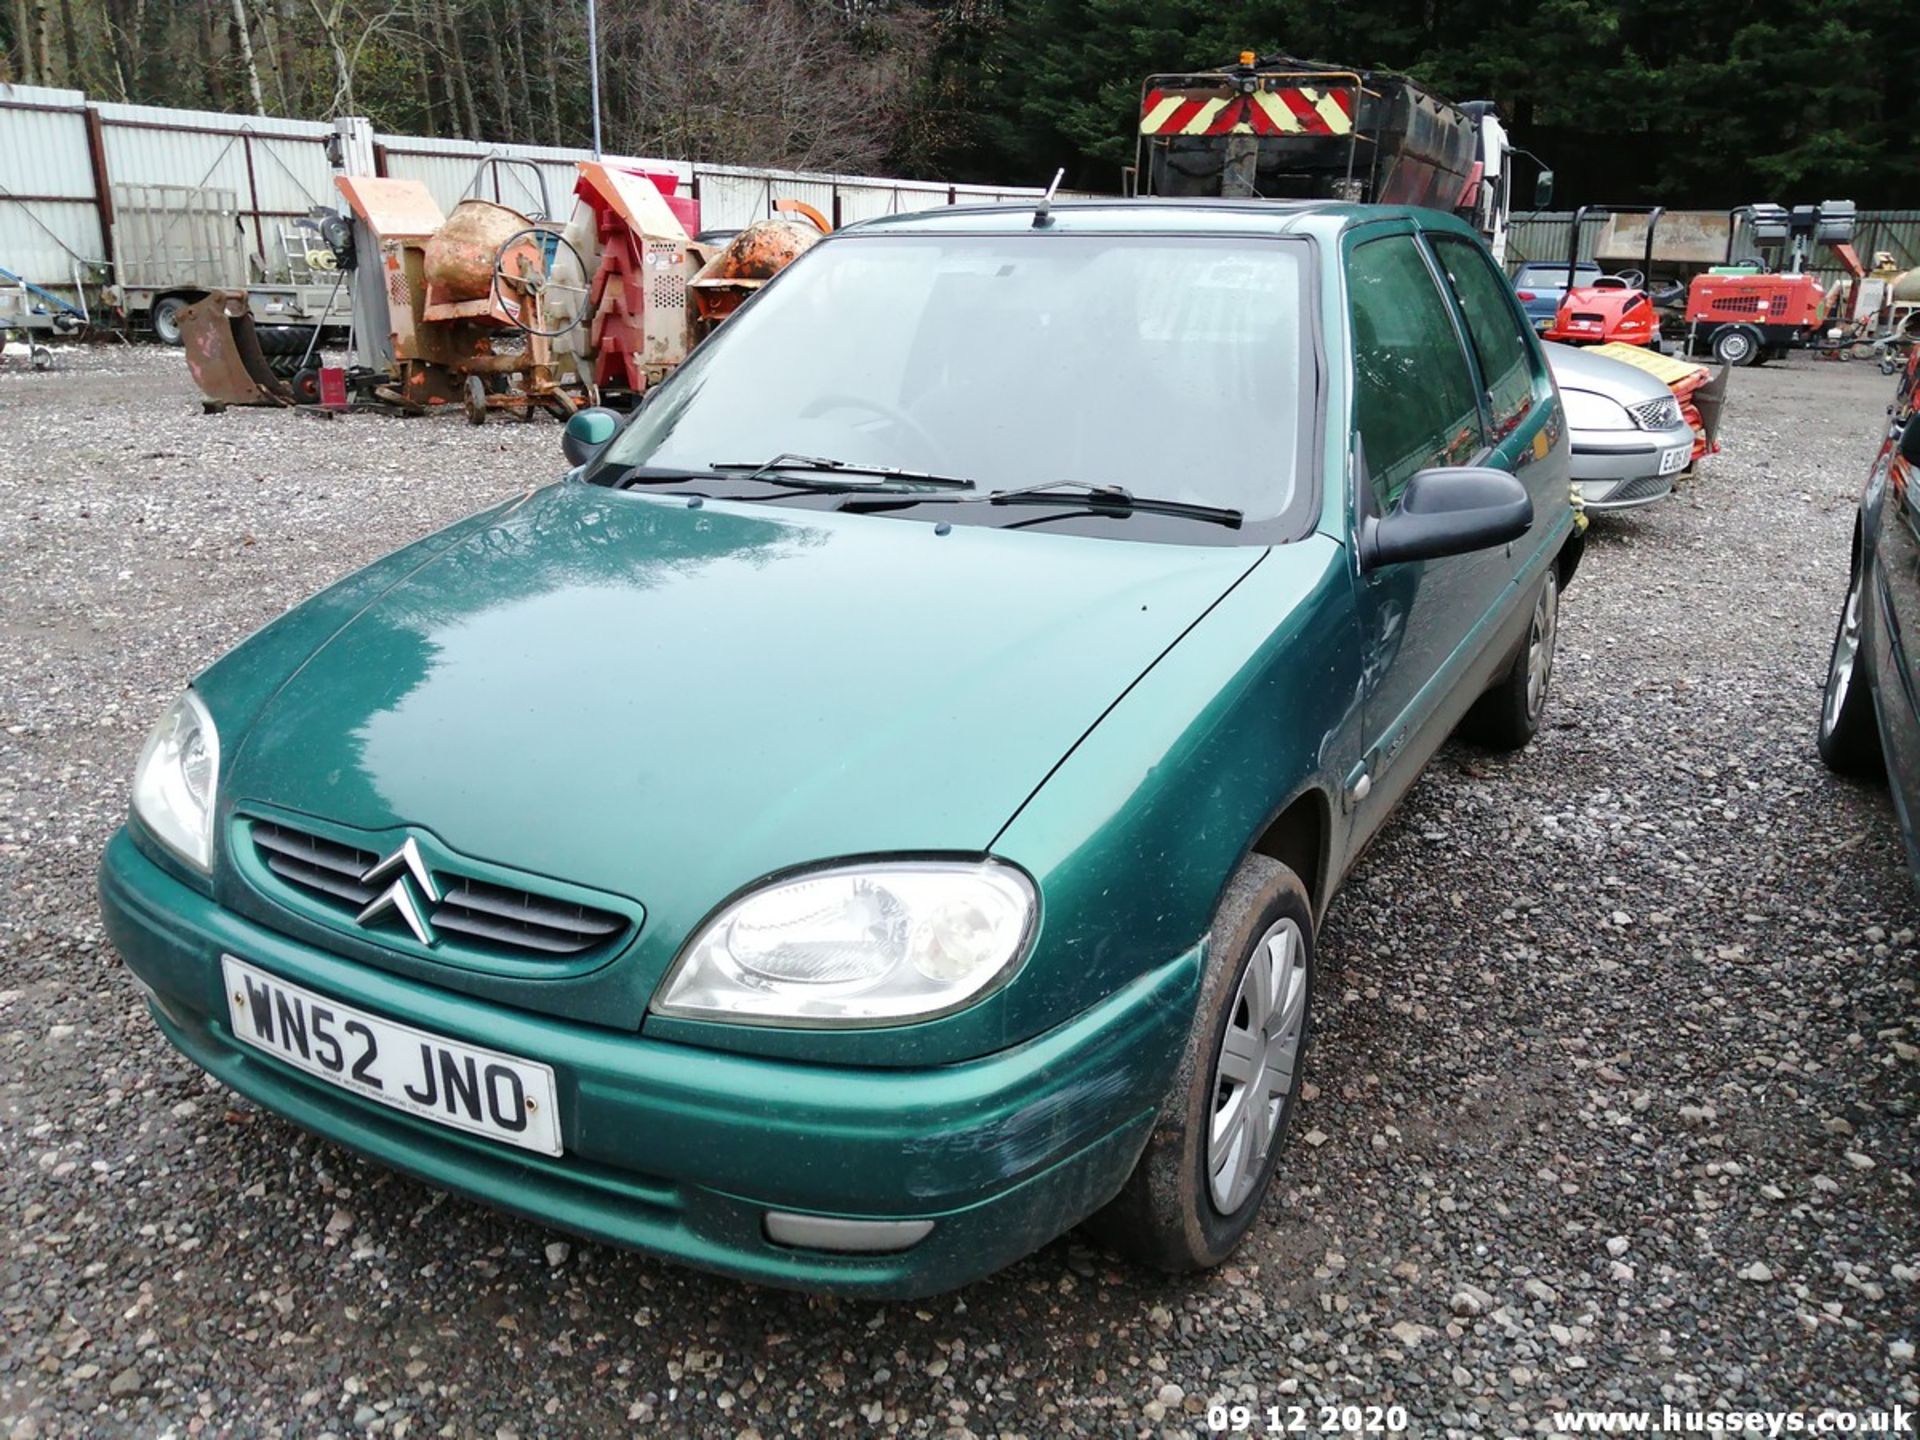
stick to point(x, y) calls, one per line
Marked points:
point(1042, 213)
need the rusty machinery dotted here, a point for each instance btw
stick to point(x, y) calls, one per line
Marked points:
point(491, 311)
point(460, 309)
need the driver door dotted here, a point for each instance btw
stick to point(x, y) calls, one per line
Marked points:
point(1416, 406)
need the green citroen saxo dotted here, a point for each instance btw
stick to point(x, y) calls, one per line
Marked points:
point(871, 814)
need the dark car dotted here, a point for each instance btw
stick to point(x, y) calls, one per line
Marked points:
point(1540, 284)
point(1868, 722)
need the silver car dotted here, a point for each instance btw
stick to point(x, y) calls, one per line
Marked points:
point(1630, 441)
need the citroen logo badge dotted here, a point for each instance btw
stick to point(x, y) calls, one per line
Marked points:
point(410, 890)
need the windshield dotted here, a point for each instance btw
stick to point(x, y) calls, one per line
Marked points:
point(1172, 366)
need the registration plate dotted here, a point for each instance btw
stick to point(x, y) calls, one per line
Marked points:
point(480, 1091)
point(1674, 460)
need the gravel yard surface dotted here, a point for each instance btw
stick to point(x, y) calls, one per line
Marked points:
point(1615, 1099)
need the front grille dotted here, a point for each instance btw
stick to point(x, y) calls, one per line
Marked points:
point(1642, 488)
point(1662, 413)
point(498, 919)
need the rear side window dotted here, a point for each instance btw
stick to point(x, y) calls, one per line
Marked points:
point(1414, 401)
point(1495, 326)
point(1548, 276)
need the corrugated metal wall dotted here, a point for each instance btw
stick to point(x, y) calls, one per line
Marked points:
point(1542, 235)
point(48, 221)
point(535, 179)
point(277, 170)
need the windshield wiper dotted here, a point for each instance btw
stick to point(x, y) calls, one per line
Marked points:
point(1107, 499)
point(790, 460)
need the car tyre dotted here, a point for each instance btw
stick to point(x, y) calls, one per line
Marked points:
point(1736, 345)
point(1508, 715)
point(1849, 735)
point(1197, 1186)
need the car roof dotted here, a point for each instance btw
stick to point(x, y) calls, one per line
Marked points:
point(1160, 216)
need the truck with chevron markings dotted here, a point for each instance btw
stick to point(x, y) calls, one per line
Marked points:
point(1280, 128)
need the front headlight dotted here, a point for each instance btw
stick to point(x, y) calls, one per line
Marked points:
point(174, 781)
point(870, 944)
point(1588, 411)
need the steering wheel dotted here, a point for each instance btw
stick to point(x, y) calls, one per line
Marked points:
point(1624, 280)
point(892, 414)
point(524, 279)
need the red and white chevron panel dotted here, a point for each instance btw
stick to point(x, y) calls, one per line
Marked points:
point(1288, 110)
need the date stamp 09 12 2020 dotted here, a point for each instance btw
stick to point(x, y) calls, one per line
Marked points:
point(1224, 1419)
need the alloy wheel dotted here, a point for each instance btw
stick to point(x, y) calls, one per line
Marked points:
point(1540, 643)
point(1253, 1077)
point(1846, 649)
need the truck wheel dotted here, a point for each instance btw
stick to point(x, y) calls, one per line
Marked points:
point(1736, 345)
point(1198, 1184)
point(1508, 715)
point(165, 318)
point(1849, 735)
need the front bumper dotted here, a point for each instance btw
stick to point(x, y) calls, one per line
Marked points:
point(681, 1151)
point(1619, 469)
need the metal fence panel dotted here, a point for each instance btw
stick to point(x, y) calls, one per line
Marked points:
point(178, 234)
point(729, 200)
point(48, 222)
point(535, 179)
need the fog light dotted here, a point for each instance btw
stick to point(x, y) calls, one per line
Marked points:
point(852, 1237)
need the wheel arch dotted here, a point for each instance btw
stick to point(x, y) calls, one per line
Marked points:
point(1300, 837)
point(186, 294)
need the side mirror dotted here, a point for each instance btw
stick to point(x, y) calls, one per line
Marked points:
point(1910, 440)
point(1543, 190)
point(1450, 510)
point(586, 431)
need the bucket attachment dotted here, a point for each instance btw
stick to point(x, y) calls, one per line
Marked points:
point(224, 353)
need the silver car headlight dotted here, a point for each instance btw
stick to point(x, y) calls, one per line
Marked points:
point(1588, 411)
point(872, 944)
point(173, 785)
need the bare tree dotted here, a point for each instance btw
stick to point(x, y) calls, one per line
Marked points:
point(790, 83)
point(42, 43)
point(243, 40)
point(70, 43)
point(345, 30)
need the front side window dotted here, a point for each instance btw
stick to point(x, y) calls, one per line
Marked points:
point(1414, 400)
point(1175, 366)
point(1495, 326)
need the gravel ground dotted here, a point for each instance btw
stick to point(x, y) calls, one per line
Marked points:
point(1613, 1101)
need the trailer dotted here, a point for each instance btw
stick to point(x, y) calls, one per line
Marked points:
point(1280, 128)
point(174, 245)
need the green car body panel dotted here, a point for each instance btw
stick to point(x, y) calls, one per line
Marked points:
point(649, 707)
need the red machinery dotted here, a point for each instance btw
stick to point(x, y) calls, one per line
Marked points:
point(1614, 308)
point(1747, 312)
point(638, 300)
